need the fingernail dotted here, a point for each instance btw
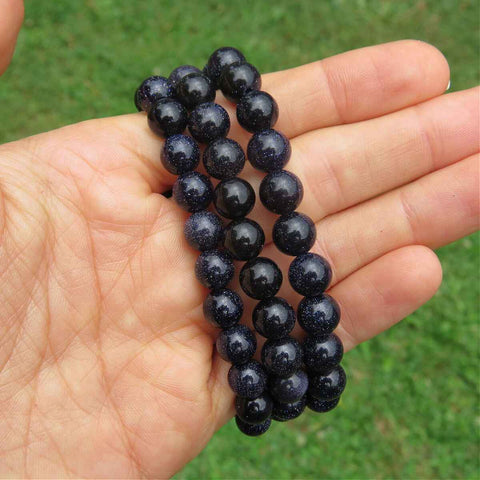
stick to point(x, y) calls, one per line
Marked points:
point(448, 86)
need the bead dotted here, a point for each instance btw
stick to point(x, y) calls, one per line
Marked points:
point(310, 274)
point(203, 230)
point(234, 198)
point(321, 406)
point(273, 317)
point(244, 239)
point(318, 315)
point(180, 72)
point(294, 234)
point(152, 89)
point(281, 192)
point(260, 278)
point(219, 59)
point(254, 411)
point(208, 122)
point(281, 412)
point(282, 356)
point(237, 345)
point(247, 380)
point(239, 78)
point(180, 154)
point(194, 89)
point(321, 354)
point(269, 150)
point(224, 158)
point(288, 389)
point(257, 111)
point(214, 269)
point(223, 308)
point(167, 117)
point(193, 191)
point(252, 430)
point(328, 387)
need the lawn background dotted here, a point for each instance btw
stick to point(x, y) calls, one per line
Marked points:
point(412, 405)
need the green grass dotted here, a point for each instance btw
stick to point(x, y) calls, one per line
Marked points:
point(411, 410)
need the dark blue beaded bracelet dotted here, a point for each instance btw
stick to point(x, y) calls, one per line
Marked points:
point(322, 354)
point(310, 274)
point(281, 412)
point(237, 344)
point(273, 317)
point(234, 198)
point(329, 386)
point(244, 239)
point(204, 230)
point(252, 430)
point(223, 308)
point(193, 191)
point(214, 269)
point(247, 380)
point(318, 315)
point(256, 410)
point(294, 234)
point(288, 389)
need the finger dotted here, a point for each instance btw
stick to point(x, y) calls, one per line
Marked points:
point(11, 18)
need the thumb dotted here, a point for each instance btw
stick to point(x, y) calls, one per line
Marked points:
point(11, 18)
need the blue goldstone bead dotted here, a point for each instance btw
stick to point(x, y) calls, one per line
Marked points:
point(224, 158)
point(239, 78)
point(273, 317)
point(208, 122)
point(247, 380)
point(234, 198)
point(180, 154)
point(261, 278)
point(193, 191)
point(219, 59)
point(288, 389)
point(214, 269)
point(322, 354)
point(252, 430)
point(257, 111)
point(269, 150)
point(223, 308)
point(254, 411)
point(318, 315)
point(282, 356)
point(151, 90)
point(203, 230)
point(282, 412)
point(244, 239)
point(281, 192)
point(321, 406)
point(167, 117)
point(180, 72)
point(237, 345)
point(194, 89)
point(294, 234)
point(310, 274)
point(329, 386)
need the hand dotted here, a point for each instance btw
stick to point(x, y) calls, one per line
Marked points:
point(107, 366)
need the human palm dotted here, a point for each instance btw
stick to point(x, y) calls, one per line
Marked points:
point(108, 367)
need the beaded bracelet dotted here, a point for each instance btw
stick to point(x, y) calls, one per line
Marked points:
point(291, 375)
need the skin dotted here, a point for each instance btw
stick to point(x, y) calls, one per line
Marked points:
point(107, 368)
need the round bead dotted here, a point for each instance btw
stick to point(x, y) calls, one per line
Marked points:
point(224, 158)
point(321, 354)
point(282, 356)
point(254, 411)
point(238, 79)
point(219, 59)
point(223, 308)
point(152, 89)
point(294, 234)
point(261, 278)
point(288, 389)
point(214, 269)
point(180, 72)
point(234, 198)
point(269, 150)
point(281, 412)
point(253, 430)
point(237, 345)
point(167, 117)
point(247, 380)
point(208, 122)
point(193, 191)
point(273, 317)
point(310, 274)
point(257, 111)
point(244, 239)
point(321, 406)
point(318, 315)
point(180, 154)
point(203, 230)
point(281, 192)
point(194, 89)
point(328, 387)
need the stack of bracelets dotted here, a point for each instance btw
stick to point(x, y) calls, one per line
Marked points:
point(291, 375)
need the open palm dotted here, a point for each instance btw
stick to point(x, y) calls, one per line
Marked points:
point(107, 365)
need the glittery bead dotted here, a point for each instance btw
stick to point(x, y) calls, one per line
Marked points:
point(281, 192)
point(257, 111)
point(237, 345)
point(180, 154)
point(239, 78)
point(219, 59)
point(321, 406)
point(283, 412)
point(167, 117)
point(223, 308)
point(288, 389)
point(151, 90)
point(282, 356)
point(208, 122)
point(194, 89)
point(260, 278)
point(273, 317)
point(193, 191)
point(234, 198)
point(254, 411)
point(322, 354)
point(180, 72)
point(244, 239)
point(224, 158)
point(203, 230)
point(268, 150)
point(294, 234)
point(247, 380)
point(310, 274)
point(327, 387)
point(318, 315)
point(252, 430)
point(214, 269)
